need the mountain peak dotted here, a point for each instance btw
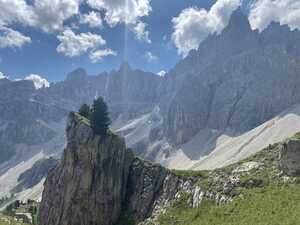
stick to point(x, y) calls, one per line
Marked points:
point(239, 20)
point(125, 66)
point(78, 74)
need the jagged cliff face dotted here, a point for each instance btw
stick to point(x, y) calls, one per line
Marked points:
point(87, 186)
point(128, 92)
point(33, 121)
point(25, 121)
point(99, 179)
point(236, 80)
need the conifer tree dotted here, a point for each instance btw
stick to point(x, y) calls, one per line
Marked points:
point(85, 111)
point(100, 120)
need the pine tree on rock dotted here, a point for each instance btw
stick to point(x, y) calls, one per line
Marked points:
point(100, 120)
point(85, 111)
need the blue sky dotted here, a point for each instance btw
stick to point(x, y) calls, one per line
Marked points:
point(148, 37)
point(40, 56)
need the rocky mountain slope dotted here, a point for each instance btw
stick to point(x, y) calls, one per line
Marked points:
point(235, 81)
point(232, 86)
point(99, 181)
point(32, 123)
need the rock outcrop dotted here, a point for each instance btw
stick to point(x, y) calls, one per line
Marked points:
point(99, 181)
point(289, 157)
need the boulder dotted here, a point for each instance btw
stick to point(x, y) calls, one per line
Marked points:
point(289, 157)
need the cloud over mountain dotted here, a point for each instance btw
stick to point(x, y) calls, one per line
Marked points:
point(2, 76)
point(38, 81)
point(263, 12)
point(193, 25)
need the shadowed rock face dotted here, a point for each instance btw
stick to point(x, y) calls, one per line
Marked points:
point(235, 81)
point(99, 179)
point(34, 175)
point(87, 187)
point(27, 115)
point(290, 157)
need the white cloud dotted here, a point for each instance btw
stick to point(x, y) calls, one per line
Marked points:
point(193, 25)
point(284, 11)
point(47, 15)
point(129, 12)
point(162, 73)
point(75, 44)
point(15, 11)
point(121, 11)
point(150, 57)
point(93, 19)
point(2, 76)
point(141, 33)
point(51, 14)
point(10, 38)
point(98, 55)
point(38, 81)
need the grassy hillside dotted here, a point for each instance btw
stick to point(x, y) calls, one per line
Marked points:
point(259, 206)
point(264, 195)
point(7, 220)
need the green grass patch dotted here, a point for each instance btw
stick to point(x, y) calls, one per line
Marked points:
point(83, 119)
point(297, 135)
point(7, 220)
point(259, 206)
point(190, 174)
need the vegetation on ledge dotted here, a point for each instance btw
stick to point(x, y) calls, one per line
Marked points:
point(96, 116)
point(263, 194)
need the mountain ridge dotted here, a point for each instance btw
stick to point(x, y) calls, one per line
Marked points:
point(227, 86)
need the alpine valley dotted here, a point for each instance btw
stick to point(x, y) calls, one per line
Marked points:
point(214, 136)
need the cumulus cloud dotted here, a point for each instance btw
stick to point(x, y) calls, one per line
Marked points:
point(93, 19)
point(10, 38)
point(50, 14)
point(38, 81)
point(162, 73)
point(98, 55)
point(129, 12)
point(141, 33)
point(193, 25)
point(75, 44)
point(47, 15)
point(120, 11)
point(2, 76)
point(16, 11)
point(150, 57)
point(263, 12)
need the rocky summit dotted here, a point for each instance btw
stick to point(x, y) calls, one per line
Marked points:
point(99, 180)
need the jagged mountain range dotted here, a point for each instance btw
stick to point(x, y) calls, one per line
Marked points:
point(100, 181)
point(235, 82)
